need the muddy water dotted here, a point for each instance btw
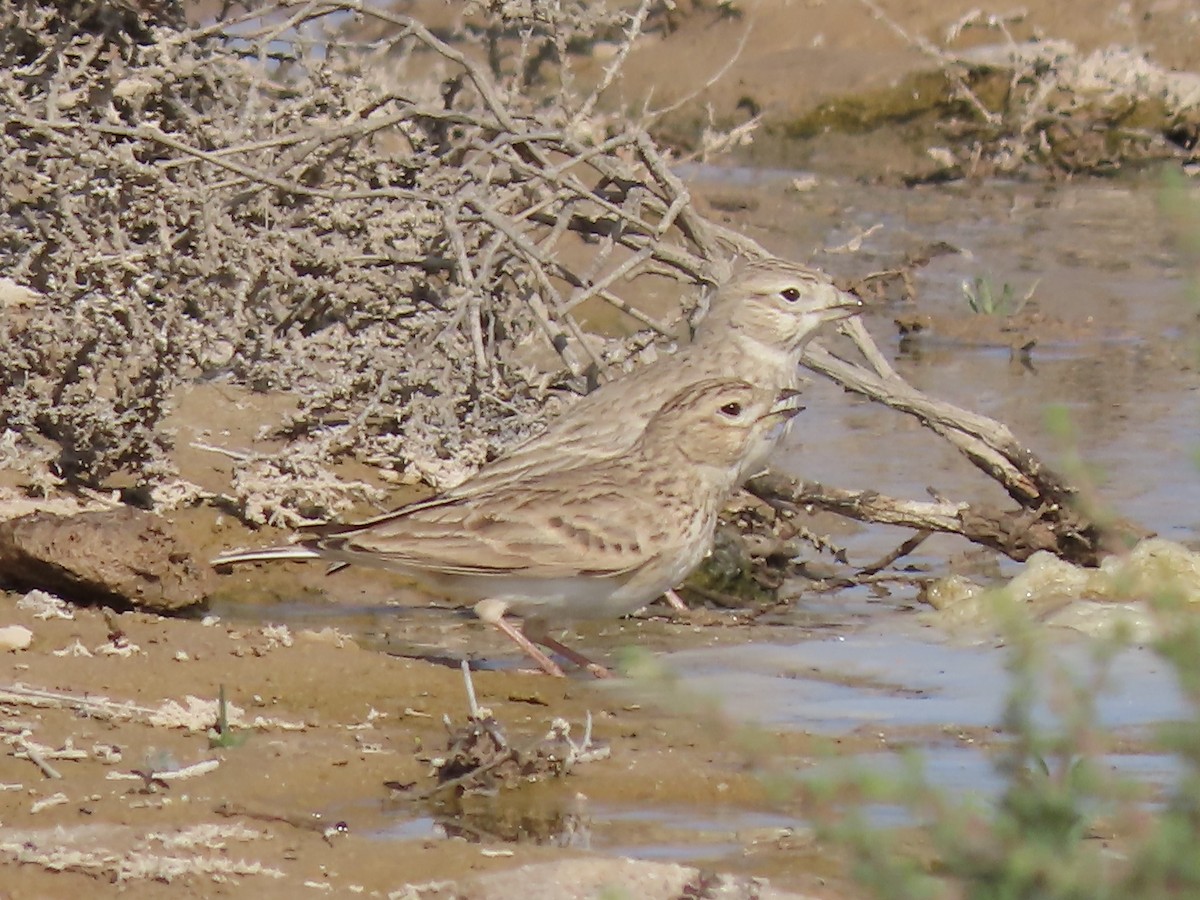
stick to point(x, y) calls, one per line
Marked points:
point(1118, 353)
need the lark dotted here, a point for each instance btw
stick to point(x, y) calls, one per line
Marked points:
point(756, 329)
point(597, 540)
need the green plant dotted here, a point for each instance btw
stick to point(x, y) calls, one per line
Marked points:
point(1181, 210)
point(222, 734)
point(1037, 838)
point(981, 297)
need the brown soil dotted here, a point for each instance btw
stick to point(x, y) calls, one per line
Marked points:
point(339, 720)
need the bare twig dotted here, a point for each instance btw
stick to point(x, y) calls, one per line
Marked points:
point(25, 750)
point(472, 705)
point(948, 61)
point(649, 117)
point(901, 551)
point(195, 770)
point(632, 30)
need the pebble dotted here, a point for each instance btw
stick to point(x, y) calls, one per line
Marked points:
point(15, 637)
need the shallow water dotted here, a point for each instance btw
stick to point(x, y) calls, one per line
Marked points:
point(1123, 362)
point(890, 678)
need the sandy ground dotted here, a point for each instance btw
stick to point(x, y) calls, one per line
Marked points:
point(326, 722)
point(322, 726)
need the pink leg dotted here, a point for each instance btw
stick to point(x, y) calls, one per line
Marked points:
point(549, 666)
point(674, 602)
point(538, 630)
point(597, 670)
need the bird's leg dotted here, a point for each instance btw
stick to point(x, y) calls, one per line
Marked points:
point(536, 630)
point(597, 670)
point(492, 612)
point(549, 666)
point(674, 601)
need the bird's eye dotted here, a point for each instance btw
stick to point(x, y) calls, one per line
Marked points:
point(732, 409)
point(791, 295)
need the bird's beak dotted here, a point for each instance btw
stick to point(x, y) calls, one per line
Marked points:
point(786, 406)
point(841, 304)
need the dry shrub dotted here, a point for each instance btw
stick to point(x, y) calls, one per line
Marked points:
point(1048, 107)
point(303, 197)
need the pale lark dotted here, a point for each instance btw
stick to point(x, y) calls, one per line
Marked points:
point(756, 329)
point(600, 539)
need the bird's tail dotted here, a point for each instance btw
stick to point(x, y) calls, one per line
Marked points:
point(297, 551)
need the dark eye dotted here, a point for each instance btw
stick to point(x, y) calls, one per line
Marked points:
point(791, 295)
point(732, 409)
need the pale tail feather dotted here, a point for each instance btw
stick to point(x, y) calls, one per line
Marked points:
point(267, 553)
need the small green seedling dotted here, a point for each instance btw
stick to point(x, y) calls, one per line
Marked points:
point(981, 296)
point(223, 734)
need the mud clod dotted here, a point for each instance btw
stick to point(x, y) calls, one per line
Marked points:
point(122, 557)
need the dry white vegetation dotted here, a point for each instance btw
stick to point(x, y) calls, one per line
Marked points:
point(377, 225)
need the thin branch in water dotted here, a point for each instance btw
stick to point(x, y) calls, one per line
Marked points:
point(901, 551)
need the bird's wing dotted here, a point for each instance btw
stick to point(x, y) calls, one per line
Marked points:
point(604, 424)
point(559, 525)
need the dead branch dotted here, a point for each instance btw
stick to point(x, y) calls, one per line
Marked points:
point(1017, 534)
point(1048, 515)
point(900, 552)
point(446, 214)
